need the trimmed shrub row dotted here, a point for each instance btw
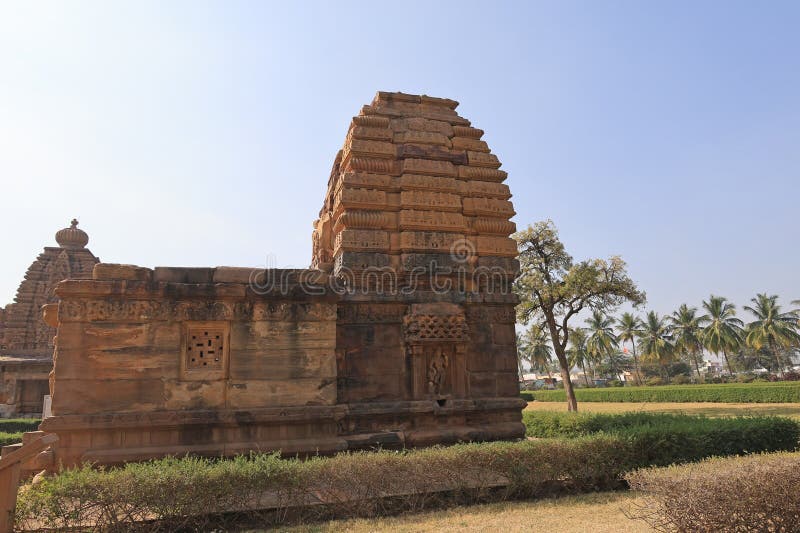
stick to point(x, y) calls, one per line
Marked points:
point(199, 493)
point(663, 439)
point(754, 493)
point(19, 425)
point(11, 430)
point(781, 392)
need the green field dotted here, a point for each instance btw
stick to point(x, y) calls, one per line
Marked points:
point(779, 392)
point(710, 409)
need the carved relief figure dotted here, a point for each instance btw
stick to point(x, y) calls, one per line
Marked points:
point(437, 371)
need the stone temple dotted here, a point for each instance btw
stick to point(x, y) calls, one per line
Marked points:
point(400, 334)
point(26, 342)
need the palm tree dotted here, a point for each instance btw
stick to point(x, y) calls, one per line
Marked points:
point(628, 327)
point(615, 363)
point(521, 357)
point(537, 348)
point(723, 333)
point(655, 341)
point(687, 329)
point(771, 329)
point(601, 342)
point(577, 353)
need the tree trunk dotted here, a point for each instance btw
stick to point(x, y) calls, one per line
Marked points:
point(585, 375)
point(697, 367)
point(727, 362)
point(572, 402)
point(778, 358)
point(636, 375)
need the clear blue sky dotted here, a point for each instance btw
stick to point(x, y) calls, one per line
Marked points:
point(202, 133)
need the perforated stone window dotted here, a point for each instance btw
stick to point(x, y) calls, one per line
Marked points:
point(205, 350)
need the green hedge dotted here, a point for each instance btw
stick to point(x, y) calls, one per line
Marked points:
point(780, 392)
point(198, 493)
point(19, 425)
point(11, 429)
point(664, 439)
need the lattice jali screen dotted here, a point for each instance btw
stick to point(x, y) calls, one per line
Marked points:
point(205, 350)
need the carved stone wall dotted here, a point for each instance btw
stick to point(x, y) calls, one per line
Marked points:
point(402, 333)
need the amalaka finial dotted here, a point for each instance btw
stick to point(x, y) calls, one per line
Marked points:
point(72, 237)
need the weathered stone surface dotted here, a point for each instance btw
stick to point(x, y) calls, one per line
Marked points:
point(115, 271)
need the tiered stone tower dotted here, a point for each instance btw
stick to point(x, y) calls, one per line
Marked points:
point(414, 186)
point(26, 342)
point(415, 230)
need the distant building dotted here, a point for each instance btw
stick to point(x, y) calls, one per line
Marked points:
point(712, 368)
point(26, 342)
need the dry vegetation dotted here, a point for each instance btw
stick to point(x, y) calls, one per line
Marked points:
point(753, 493)
point(595, 513)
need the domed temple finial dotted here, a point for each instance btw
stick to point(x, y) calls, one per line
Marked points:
point(72, 237)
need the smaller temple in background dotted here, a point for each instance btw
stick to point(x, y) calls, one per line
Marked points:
point(26, 342)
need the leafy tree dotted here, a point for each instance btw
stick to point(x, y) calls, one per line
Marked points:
point(723, 333)
point(537, 349)
point(771, 329)
point(687, 330)
point(553, 289)
point(628, 328)
point(655, 342)
point(602, 341)
point(577, 354)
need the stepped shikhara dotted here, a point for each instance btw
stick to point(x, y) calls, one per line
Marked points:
point(414, 184)
point(400, 334)
point(26, 341)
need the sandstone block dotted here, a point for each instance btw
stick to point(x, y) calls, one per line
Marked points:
point(424, 200)
point(362, 240)
point(428, 240)
point(225, 274)
point(467, 143)
point(411, 219)
point(482, 174)
point(183, 275)
point(481, 159)
point(379, 149)
point(363, 180)
point(410, 182)
point(111, 271)
point(485, 189)
point(371, 121)
point(422, 137)
point(489, 207)
point(371, 134)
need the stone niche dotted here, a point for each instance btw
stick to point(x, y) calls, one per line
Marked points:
point(400, 334)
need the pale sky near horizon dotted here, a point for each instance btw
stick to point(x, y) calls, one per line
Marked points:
point(202, 133)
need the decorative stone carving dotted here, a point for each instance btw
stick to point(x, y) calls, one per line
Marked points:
point(435, 328)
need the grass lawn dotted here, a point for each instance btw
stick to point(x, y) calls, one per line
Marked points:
point(595, 513)
point(692, 408)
